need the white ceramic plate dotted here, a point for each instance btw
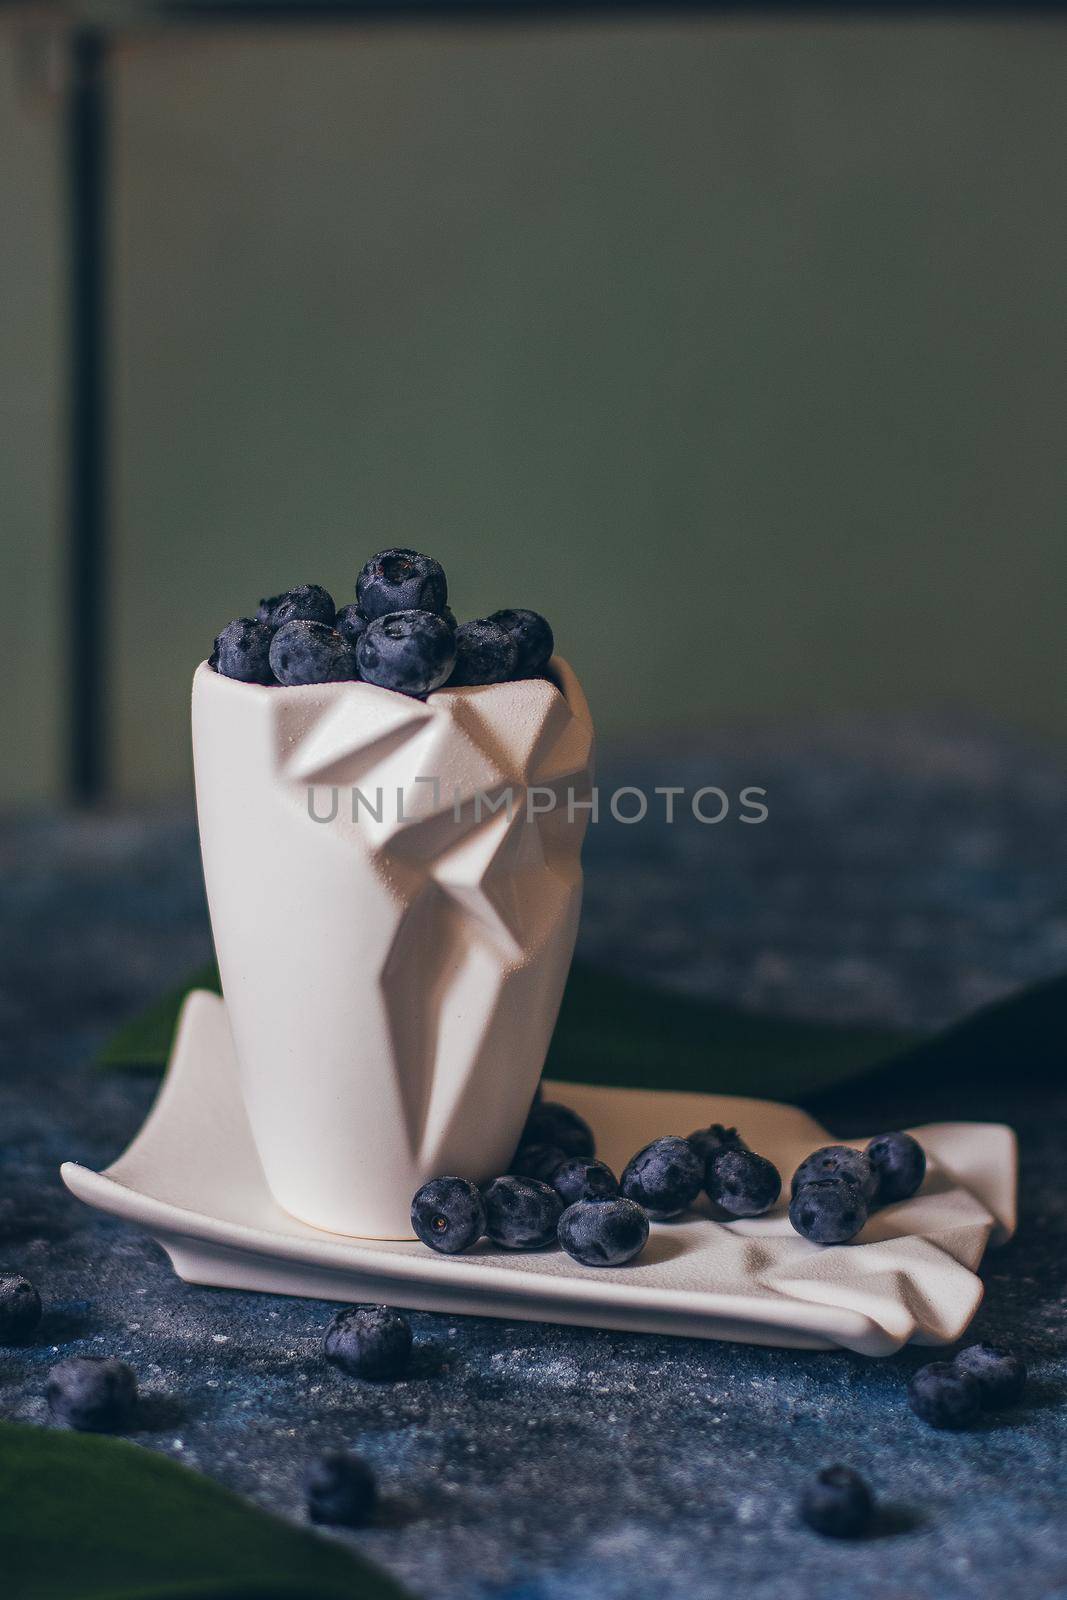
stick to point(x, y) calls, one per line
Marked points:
point(191, 1177)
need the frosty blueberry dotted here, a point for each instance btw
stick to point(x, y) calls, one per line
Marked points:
point(369, 1342)
point(350, 624)
point(537, 1161)
point(945, 1396)
point(1001, 1376)
point(521, 1213)
point(709, 1141)
point(310, 652)
point(485, 653)
point(532, 637)
point(837, 1503)
point(20, 1308)
point(242, 651)
point(340, 1490)
point(741, 1182)
point(828, 1211)
point(95, 1394)
point(665, 1177)
point(448, 1214)
point(837, 1161)
point(308, 602)
point(401, 580)
point(409, 651)
point(555, 1124)
point(899, 1165)
point(603, 1233)
point(584, 1178)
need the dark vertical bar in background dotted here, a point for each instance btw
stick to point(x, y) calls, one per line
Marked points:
point(87, 698)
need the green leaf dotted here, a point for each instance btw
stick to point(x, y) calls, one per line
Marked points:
point(87, 1518)
point(612, 1030)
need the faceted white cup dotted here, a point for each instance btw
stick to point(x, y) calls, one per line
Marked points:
point(394, 888)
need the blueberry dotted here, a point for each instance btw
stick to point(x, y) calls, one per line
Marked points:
point(837, 1161)
point(340, 1489)
point(583, 1178)
point(533, 640)
point(369, 1342)
point(401, 580)
point(448, 1214)
point(828, 1211)
point(310, 652)
point(899, 1165)
point(665, 1177)
point(308, 602)
point(410, 651)
point(603, 1233)
point(537, 1161)
point(709, 1141)
point(242, 651)
point(484, 654)
point(1001, 1376)
point(20, 1308)
point(945, 1396)
point(741, 1182)
point(552, 1123)
point(838, 1503)
point(350, 624)
point(95, 1394)
point(265, 607)
point(521, 1213)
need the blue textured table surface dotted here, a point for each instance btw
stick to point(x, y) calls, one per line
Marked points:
point(904, 876)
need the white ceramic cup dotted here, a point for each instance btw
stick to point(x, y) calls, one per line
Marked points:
point(392, 948)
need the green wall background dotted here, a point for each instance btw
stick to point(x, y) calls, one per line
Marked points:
point(738, 348)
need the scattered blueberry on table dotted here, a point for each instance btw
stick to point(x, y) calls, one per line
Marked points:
point(838, 1503)
point(95, 1394)
point(400, 634)
point(828, 1211)
point(448, 1214)
point(340, 1490)
point(603, 1233)
point(709, 1141)
point(521, 1213)
point(554, 1124)
point(1000, 1374)
point(945, 1396)
point(20, 1308)
point(741, 1182)
point(369, 1342)
point(584, 1178)
point(665, 1177)
point(538, 1161)
point(838, 1161)
point(898, 1162)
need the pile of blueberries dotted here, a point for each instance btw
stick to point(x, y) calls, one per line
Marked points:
point(558, 1191)
point(399, 634)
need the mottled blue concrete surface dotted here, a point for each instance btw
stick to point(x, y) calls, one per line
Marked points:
point(904, 876)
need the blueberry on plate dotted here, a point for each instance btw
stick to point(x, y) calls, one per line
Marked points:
point(741, 1182)
point(899, 1165)
point(20, 1308)
point(828, 1211)
point(242, 651)
point(350, 624)
point(95, 1394)
point(603, 1233)
point(308, 602)
point(448, 1214)
point(837, 1503)
point(584, 1178)
point(521, 1213)
point(340, 1489)
point(485, 653)
point(311, 652)
point(945, 1396)
point(837, 1161)
point(532, 638)
point(665, 1177)
point(412, 652)
point(1001, 1376)
point(369, 1342)
point(709, 1141)
point(537, 1161)
point(552, 1123)
point(401, 580)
